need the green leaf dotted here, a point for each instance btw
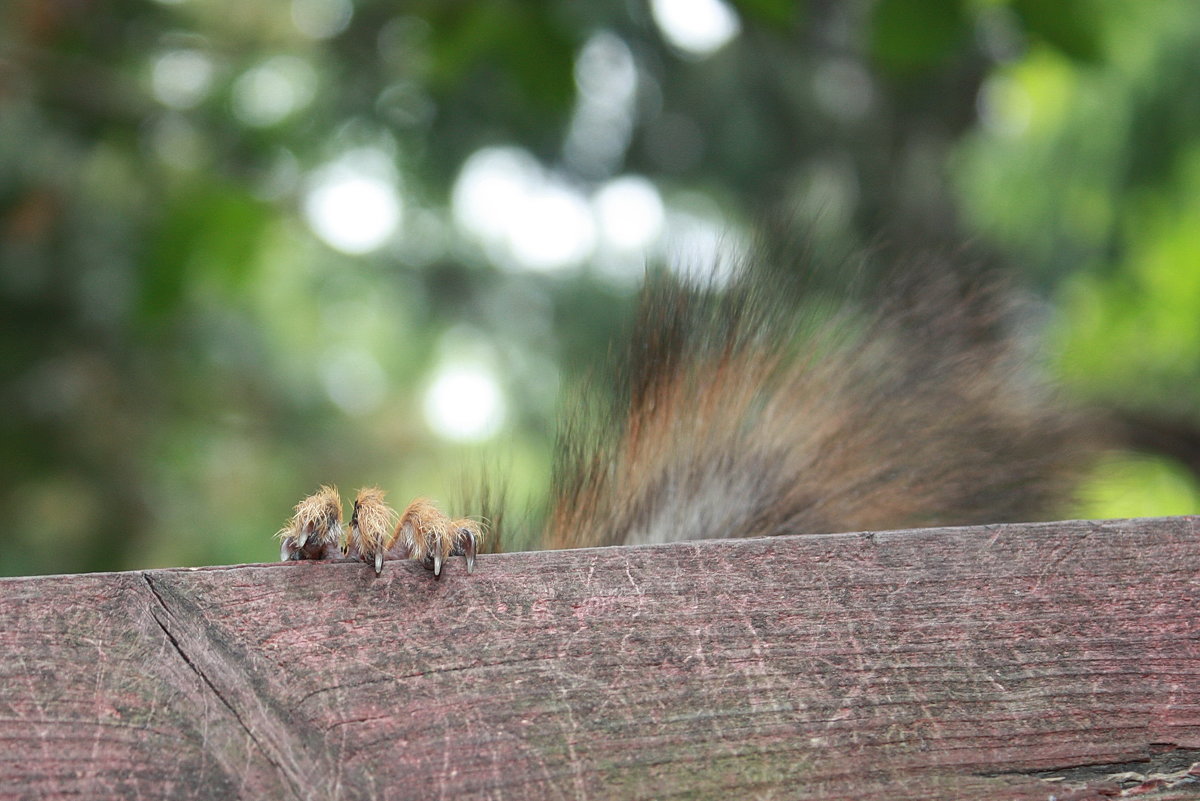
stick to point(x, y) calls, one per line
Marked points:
point(1068, 25)
point(209, 233)
point(516, 41)
point(781, 13)
point(914, 35)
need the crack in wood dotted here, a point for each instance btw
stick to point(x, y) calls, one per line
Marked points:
point(161, 620)
point(1165, 767)
point(1162, 758)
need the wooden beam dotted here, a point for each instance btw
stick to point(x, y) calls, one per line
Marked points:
point(986, 662)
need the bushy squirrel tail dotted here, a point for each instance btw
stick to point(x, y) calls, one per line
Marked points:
point(774, 406)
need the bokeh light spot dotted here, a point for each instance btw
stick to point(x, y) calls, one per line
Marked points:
point(352, 204)
point(181, 78)
point(526, 218)
point(630, 212)
point(464, 403)
point(697, 27)
point(321, 19)
point(269, 92)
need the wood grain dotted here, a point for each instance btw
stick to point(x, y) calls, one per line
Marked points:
point(941, 663)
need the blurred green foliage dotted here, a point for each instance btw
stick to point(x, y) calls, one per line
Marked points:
point(185, 353)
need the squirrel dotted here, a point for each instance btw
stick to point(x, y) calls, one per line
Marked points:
point(775, 405)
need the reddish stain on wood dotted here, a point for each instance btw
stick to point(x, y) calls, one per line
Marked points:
point(940, 663)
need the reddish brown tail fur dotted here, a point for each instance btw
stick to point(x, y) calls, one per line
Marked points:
point(759, 411)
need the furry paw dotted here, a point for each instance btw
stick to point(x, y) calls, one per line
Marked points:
point(371, 528)
point(425, 533)
point(315, 530)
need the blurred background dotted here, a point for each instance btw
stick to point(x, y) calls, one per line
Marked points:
point(248, 248)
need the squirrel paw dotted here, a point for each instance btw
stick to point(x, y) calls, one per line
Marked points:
point(425, 533)
point(371, 532)
point(315, 530)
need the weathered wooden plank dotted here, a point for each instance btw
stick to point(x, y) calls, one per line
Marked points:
point(941, 663)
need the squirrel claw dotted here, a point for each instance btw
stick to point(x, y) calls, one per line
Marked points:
point(463, 541)
point(426, 534)
point(469, 543)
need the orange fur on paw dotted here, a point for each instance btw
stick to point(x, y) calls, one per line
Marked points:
point(425, 533)
point(315, 530)
point(371, 532)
